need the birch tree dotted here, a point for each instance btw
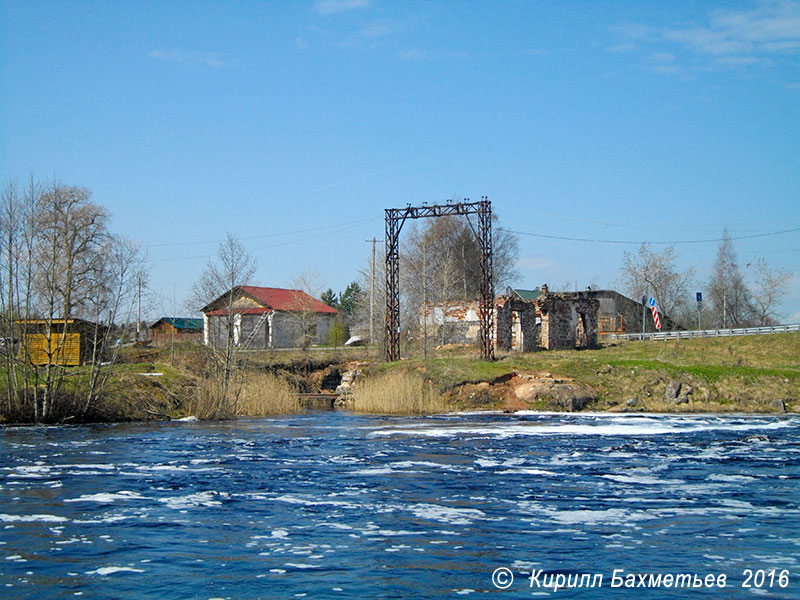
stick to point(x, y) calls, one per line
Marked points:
point(232, 267)
point(731, 300)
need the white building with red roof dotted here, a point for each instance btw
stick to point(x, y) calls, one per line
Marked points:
point(263, 317)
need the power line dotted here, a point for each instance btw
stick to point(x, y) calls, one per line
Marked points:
point(328, 230)
point(676, 242)
point(262, 236)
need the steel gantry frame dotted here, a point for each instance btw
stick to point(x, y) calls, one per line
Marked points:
point(395, 219)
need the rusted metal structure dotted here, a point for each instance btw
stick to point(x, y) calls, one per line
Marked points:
point(395, 218)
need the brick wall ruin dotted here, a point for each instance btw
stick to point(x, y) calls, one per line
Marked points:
point(550, 322)
point(569, 320)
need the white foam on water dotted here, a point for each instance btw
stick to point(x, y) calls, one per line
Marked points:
point(776, 559)
point(447, 514)
point(730, 478)
point(406, 464)
point(610, 516)
point(343, 459)
point(511, 462)
point(32, 518)
point(280, 533)
point(31, 472)
point(302, 566)
point(105, 571)
point(194, 500)
point(306, 502)
point(642, 479)
point(530, 471)
point(377, 471)
point(392, 533)
point(171, 468)
point(335, 526)
point(600, 425)
point(111, 519)
point(107, 498)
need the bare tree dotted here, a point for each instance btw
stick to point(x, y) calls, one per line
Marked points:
point(650, 273)
point(113, 290)
point(72, 235)
point(9, 253)
point(305, 318)
point(730, 297)
point(69, 247)
point(59, 262)
point(770, 286)
point(232, 267)
point(440, 262)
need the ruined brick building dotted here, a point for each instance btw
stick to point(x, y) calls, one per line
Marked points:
point(529, 320)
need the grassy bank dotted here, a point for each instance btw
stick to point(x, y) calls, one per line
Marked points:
point(747, 374)
point(743, 374)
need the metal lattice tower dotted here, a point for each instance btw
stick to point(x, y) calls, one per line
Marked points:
point(395, 219)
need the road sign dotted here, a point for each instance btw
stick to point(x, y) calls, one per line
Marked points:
point(654, 309)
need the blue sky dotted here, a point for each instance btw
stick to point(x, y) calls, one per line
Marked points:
point(294, 124)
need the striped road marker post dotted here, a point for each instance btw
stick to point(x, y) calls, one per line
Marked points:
point(654, 309)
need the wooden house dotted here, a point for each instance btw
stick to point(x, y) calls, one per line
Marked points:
point(66, 342)
point(176, 329)
point(262, 317)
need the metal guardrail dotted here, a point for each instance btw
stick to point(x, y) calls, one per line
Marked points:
point(682, 335)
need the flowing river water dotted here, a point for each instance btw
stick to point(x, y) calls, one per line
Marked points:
point(337, 505)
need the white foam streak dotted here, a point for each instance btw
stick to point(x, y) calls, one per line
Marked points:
point(105, 571)
point(32, 518)
point(107, 498)
point(600, 426)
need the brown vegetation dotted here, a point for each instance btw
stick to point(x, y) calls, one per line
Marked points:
point(398, 393)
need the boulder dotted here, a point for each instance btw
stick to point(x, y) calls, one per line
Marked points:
point(673, 390)
point(778, 405)
point(558, 394)
point(683, 398)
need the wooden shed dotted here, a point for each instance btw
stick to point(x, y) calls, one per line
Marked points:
point(177, 329)
point(71, 342)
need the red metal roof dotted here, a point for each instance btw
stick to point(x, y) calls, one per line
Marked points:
point(279, 299)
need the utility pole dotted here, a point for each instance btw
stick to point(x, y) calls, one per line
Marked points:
point(372, 293)
point(644, 315)
point(138, 307)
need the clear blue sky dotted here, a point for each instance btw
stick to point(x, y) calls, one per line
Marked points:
point(294, 124)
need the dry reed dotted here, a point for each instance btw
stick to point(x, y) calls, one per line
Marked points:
point(398, 393)
point(263, 394)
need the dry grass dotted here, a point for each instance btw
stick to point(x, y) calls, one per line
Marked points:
point(207, 404)
point(263, 394)
point(398, 393)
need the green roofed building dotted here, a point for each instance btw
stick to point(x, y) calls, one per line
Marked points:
point(177, 329)
point(529, 295)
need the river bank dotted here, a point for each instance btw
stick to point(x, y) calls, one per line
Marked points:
point(756, 374)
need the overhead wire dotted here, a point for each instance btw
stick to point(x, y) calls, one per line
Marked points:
point(261, 236)
point(631, 242)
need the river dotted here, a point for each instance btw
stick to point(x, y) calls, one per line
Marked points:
point(337, 505)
